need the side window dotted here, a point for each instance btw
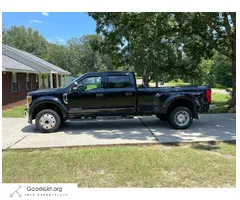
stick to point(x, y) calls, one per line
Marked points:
point(28, 82)
point(118, 82)
point(90, 83)
point(14, 82)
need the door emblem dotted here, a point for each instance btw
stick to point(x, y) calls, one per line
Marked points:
point(65, 98)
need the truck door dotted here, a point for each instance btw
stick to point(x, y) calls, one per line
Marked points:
point(89, 97)
point(120, 95)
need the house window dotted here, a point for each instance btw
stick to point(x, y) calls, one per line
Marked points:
point(37, 78)
point(28, 82)
point(14, 82)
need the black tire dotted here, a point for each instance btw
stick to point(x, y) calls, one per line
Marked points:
point(50, 123)
point(183, 121)
point(162, 117)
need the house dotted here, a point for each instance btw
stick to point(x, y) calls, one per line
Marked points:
point(23, 72)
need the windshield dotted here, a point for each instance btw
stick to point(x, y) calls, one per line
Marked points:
point(74, 80)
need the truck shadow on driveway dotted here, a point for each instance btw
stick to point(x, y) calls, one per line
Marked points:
point(124, 129)
point(208, 128)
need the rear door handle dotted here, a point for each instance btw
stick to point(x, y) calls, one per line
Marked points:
point(128, 93)
point(99, 94)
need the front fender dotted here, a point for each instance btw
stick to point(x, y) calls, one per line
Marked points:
point(48, 99)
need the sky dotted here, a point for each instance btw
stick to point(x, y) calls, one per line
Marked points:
point(56, 27)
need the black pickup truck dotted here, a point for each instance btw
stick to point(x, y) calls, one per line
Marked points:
point(115, 94)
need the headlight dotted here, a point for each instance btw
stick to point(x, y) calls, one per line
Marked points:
point(29, 100)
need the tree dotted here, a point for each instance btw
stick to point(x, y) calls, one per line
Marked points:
point(203, 32)
point(222, 70)
point(140, 40)
point(84, 56)
point(216, 72)
point(25, 39)
point(58, 55)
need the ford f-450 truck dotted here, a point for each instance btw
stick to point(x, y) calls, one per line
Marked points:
point(115, 94)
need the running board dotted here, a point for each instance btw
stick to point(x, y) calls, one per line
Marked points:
point(101, 117)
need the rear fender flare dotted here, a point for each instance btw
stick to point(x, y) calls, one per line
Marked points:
point(173, 98)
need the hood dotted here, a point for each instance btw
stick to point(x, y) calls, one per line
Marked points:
point(46, 91)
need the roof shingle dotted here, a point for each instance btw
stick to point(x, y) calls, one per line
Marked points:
point(11, 64)
point(42, 62)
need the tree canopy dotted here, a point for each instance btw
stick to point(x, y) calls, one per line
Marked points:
point(169, 43)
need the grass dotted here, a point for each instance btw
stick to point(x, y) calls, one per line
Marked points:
point(198, 165)
point(176, 84)
point(91, 86)
point(221, 103)
point(16, 112)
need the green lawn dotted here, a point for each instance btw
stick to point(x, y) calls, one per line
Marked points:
point(16, 112)
point(91, 86)
point(196, 165)
point(221, 103)
point(176, 84)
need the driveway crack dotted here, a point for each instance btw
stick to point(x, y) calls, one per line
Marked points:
point(149, 129)
point(20, 139)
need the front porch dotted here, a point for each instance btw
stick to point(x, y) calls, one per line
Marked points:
point(51, 80)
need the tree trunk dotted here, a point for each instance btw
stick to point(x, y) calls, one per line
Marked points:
point(156, 84)
point(232, 103)
point(145, 79)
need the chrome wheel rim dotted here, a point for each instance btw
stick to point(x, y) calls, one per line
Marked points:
point(182, 118)
point(47, 121)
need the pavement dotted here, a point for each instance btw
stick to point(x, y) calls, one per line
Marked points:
point(17, 134)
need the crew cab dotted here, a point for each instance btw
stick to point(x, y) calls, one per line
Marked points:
point(115, 94)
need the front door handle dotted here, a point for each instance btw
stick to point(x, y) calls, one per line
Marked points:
point(99, 94)
point(128, 93)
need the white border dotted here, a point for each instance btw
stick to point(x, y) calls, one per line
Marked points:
point(127, 5)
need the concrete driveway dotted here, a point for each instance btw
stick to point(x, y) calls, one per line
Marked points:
point(17, 134)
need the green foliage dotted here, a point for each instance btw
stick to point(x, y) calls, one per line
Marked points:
point(215, 72)
point(171, 45)
point(84, 55)
point(59, 56)
point(222, 70)
point(142, 41)
point(201, 33)
point(78, 56)
point(25, 39)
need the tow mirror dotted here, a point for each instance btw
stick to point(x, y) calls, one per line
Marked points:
point(74, 88)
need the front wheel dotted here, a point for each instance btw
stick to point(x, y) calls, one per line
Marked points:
point(181, 118)
point(48, 121)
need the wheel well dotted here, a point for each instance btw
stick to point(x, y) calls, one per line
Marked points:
point(44, 106)
point(181, 102)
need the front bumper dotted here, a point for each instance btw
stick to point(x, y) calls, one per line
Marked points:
point(26, 115)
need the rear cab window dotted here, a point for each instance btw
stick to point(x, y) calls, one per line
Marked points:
point(119, 81)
